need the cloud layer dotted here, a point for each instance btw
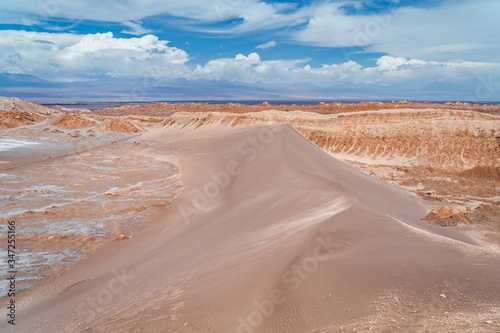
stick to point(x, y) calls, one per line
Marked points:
point(459, 30)
point(73, 57)
point(453, 31)
point(254, 13)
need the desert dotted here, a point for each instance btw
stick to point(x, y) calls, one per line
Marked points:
point(200, 217)
point(250, 166)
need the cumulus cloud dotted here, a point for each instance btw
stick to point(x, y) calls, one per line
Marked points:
point(62, 55)
point(389, 71)
point(388, 63)
point(247, 69)
point(267, 45)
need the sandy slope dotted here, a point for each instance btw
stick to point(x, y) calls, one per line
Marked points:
point(448, 157)
point(271, 234)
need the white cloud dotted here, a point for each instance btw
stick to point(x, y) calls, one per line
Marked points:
point(62, 55)
point(330, 26)
point(247, 69)
point(454, 31)
point(196, 15)
point(135, 28)
point(458, 30)
point(388, 63)
point(69, 57)
point(388, 71)
point(267, 45)
point(251, 11)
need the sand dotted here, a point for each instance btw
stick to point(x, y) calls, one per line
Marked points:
point(272, 234)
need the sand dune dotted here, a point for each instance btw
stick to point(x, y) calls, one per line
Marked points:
point(449, 139)
point(445, 156)
point(272, 234)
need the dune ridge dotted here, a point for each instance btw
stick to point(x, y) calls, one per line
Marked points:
point(441, 138)
point(446, 156)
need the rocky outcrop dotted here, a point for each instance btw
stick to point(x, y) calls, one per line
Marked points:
point(16, 118)
point(447, 216)
point(121, 125)
point(12, 103)
point(70, 110)
point(483, 172)
point(165, 109)
point(73, 121)
point(486, 214)
point(16, 112)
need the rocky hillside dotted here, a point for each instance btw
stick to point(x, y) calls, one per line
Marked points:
point(17, 112)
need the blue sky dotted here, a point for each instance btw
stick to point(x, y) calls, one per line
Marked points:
point(367, 49)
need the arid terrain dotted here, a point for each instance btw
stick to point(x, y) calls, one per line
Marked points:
point(336, 217)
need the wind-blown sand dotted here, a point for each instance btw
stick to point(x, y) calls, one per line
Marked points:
point(272, 234)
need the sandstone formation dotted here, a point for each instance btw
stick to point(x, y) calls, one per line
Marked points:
point(73, 121)
point(15, 118)
point(12, 103)
point(70, 110)
point(16, 112)
point(121, 125)
point(164, 109)
point(447, 216)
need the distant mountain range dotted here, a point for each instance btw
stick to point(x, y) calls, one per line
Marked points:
point(33, 88)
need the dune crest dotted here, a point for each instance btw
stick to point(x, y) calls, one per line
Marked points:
point(406, 147)
point(445, 138)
